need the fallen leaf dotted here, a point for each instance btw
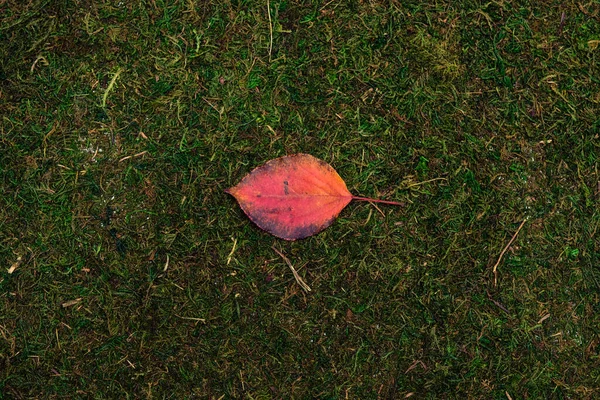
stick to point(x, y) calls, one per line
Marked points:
point(295, 196)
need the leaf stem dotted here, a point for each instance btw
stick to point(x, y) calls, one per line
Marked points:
point(394, 203)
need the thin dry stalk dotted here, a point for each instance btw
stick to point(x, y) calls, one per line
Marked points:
point(298, 278)
point(495, 269)
point(270, 29)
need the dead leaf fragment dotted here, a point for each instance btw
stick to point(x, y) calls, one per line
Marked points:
point(15, 265)
point(71, 302)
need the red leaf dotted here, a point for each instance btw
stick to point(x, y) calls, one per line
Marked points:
point(293, 197)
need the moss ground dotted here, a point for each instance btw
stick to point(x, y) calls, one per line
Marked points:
point(127, 272)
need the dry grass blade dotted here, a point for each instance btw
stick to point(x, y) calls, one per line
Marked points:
point(71, 302)
point(110, 86)
point(289, 263)
point(232, 250)
point(270, 29)
point(495, 269)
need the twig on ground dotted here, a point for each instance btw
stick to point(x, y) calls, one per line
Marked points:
point(495, 269)
point(298, 278)
point(498, 304)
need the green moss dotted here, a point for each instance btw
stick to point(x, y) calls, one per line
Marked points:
point(127, 272)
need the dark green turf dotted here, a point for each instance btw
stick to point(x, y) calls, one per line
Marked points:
point(127, 272)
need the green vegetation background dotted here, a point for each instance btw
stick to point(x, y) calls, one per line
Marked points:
point(126, 272)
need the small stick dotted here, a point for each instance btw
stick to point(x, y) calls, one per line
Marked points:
point(298, 278)
point(505, 250)
point(498, 304)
